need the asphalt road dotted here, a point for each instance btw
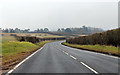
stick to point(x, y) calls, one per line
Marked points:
point(56, 58)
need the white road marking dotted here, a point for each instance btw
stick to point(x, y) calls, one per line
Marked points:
point(9, 72)
point(24, 61)
point(90, 52)
point(63, 51)
point(73, 57)
point(81, 62)
point(108, 55)
point(66, 53)
point(89, 68)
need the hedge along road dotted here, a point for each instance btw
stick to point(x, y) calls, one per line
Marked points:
point(56, 58)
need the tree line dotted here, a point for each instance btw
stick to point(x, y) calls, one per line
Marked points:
point(83, 30)
point(17, 30)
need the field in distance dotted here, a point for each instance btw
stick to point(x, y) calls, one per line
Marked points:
point(39, 35)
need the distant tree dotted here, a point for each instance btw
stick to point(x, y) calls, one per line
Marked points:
point(38, 30)
point(46, 30)
point(68, 30)
point(41, 30)
point(59, 30)
point(26, 30)
point(6, 30)
point(62, 29)
point(85, 28)
point(35, 31)
point(12, 31)
point(77, 30)
point(17, 30)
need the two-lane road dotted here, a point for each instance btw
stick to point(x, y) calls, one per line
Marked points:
point(56, 58)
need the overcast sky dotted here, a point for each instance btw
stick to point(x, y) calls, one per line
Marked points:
point(55, 14)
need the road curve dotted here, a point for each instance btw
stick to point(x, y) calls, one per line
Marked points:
point(56, 58)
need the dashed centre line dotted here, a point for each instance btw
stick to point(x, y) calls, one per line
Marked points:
point(89, 68)
point(73, 57)
point(80, 62)
point(66, 53)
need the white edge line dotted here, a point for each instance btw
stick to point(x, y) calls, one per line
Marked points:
point(94, 52)
point(24, 61)
point(82, 63)
point(89, 68)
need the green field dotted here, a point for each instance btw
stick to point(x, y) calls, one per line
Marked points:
point(14, 51)
point(11, 49)
point(98, 48)
point(8, 39)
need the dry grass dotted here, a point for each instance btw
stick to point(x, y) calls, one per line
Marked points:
point(39, 35)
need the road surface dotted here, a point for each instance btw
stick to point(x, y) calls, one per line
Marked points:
point(56, 58)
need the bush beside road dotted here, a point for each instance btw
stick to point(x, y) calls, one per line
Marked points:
point(110, 37)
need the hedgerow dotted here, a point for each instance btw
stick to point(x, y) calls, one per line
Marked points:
point(111, 37)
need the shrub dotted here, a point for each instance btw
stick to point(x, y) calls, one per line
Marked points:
point(111, 37)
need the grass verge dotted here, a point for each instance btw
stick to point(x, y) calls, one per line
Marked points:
point(111, 50)
point(15, 52)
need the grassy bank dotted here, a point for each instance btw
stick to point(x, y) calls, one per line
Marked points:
point(14, 51)
point(96, 48)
